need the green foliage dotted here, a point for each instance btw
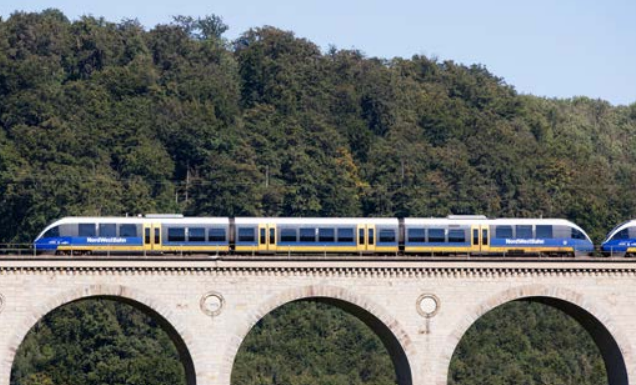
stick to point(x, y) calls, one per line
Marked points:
point(311, 343)
point(97, 342)
point(527, 343)
point(101, 118)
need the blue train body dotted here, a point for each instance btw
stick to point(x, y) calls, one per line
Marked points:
point(53, 243)
point(621, 240)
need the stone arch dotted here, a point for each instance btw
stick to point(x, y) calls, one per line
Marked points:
point(613, 344)
point(179, 335)
point(393, 336)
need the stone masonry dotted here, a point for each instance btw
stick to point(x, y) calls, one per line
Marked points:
point(420, 310)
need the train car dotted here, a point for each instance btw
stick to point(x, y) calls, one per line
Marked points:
point(148, 235)
point(478, 235)
point(621, 241)
point(316, 235)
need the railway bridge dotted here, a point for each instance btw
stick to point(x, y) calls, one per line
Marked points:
point(420, 309)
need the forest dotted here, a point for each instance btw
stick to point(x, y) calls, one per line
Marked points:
point(111, 118)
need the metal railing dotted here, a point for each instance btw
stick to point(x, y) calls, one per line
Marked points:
point(17, 249)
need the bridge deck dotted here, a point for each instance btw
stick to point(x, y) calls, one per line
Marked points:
point(587, 264)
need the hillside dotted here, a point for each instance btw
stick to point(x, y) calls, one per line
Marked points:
point(102, 118)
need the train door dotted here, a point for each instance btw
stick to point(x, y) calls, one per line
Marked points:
point(475, 239)
point(271, 237)
point(147, 237)
point(362, 239)
point(152, 236)
point(156, 236)
point(371, 238)
point(485, 239)
point(262, 238)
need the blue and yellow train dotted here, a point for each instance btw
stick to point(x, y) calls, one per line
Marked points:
point(621, 241)
point(454, 235)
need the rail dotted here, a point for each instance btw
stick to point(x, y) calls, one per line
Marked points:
point(16, 250)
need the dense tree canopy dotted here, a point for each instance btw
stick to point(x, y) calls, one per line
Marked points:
point(97, 342)
point(102, 118)
point(312, 343)
point(527, 343)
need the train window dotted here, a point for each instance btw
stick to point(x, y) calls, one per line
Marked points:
point(386, 236)
point(128, 231)
point(345, 235)
point(475, 237)
point(262, 236)
point(176, 234)
point(216, 235)
point(484, 237)
point(503, 232)
point(307, 234)
point(68, 230)
point(371, 237)
point(524, 231)
point(457, 236)
point(288, 235)
point(576, 234)
point(107, 230)
point(86, 230)
point(326, 235)
point(53, 232)
point(157, 236)
point(544, 231)
point(196, 234)
point(272, 236)
point(417, 235)
point(623, 234)
point(147, 235)
point(246, 234)
point(436, 235)
point(361, 237)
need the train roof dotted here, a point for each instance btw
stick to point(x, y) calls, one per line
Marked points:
point(317, 221)
point(175, 220)
point(485, 221)
point(630, 223)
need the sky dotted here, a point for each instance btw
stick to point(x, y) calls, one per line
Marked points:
point(552, 48)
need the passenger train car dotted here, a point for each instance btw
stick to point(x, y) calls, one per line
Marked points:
point(454, 235)
point(316, 235)
point(621, 241)
point(150, 234)
point(482, 236)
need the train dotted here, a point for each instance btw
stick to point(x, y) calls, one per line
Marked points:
point(240, 236)
point(621, 240)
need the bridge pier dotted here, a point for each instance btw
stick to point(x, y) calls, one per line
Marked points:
point(420, 310)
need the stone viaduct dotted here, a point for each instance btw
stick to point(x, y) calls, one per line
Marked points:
point(420, 309)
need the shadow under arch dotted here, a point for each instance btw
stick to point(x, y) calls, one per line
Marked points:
point(121, 294)
point(393, 337)
point(612, 344)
